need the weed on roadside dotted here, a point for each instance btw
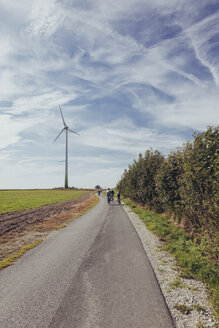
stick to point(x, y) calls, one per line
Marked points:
point(12, 258)
point(176, 284)
point(184, 309)
point(188, 309)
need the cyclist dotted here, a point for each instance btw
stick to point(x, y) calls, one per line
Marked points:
point(118, 197)
point(108, 194)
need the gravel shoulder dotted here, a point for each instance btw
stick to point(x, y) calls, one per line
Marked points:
point(187, 299)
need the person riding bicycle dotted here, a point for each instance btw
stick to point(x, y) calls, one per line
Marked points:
point(108, 194)
point(118, 197)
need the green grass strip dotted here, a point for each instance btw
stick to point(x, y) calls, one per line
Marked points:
point(189, 255)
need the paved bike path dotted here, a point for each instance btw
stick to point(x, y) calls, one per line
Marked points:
point(93, 273)
point(115, 285)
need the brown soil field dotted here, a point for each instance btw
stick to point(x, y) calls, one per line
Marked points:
point(22, 228)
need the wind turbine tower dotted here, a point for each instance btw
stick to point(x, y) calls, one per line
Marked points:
point(67, 130)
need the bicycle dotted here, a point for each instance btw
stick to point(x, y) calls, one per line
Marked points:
point(110, 198)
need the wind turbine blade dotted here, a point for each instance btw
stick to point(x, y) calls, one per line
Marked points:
point(58, 135)
point(73, 131)
point(62, 116)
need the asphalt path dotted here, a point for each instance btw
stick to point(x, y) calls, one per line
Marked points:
point(92, 274)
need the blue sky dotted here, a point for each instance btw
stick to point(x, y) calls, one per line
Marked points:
point(129, 75)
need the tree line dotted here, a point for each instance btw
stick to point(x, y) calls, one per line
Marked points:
point(183, 185)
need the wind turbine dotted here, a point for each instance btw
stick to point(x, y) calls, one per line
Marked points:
point(66, 129)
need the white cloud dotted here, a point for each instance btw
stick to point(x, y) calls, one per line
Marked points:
point(42, 101)
point(9, 132)
point(200, 33)
point(122, 135)
point(194, 113)
point(45, 18)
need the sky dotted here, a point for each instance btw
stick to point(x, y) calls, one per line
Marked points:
point(129, 75)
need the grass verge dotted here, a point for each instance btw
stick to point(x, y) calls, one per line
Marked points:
point(13, 257)
point(190, 256)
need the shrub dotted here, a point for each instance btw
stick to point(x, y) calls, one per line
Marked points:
point(185, 183)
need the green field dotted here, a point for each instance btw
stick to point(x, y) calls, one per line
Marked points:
point(16, 200)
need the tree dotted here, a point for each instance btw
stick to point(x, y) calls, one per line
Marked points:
point(98, 187)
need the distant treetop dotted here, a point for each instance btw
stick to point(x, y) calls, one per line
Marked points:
point(98, 187)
